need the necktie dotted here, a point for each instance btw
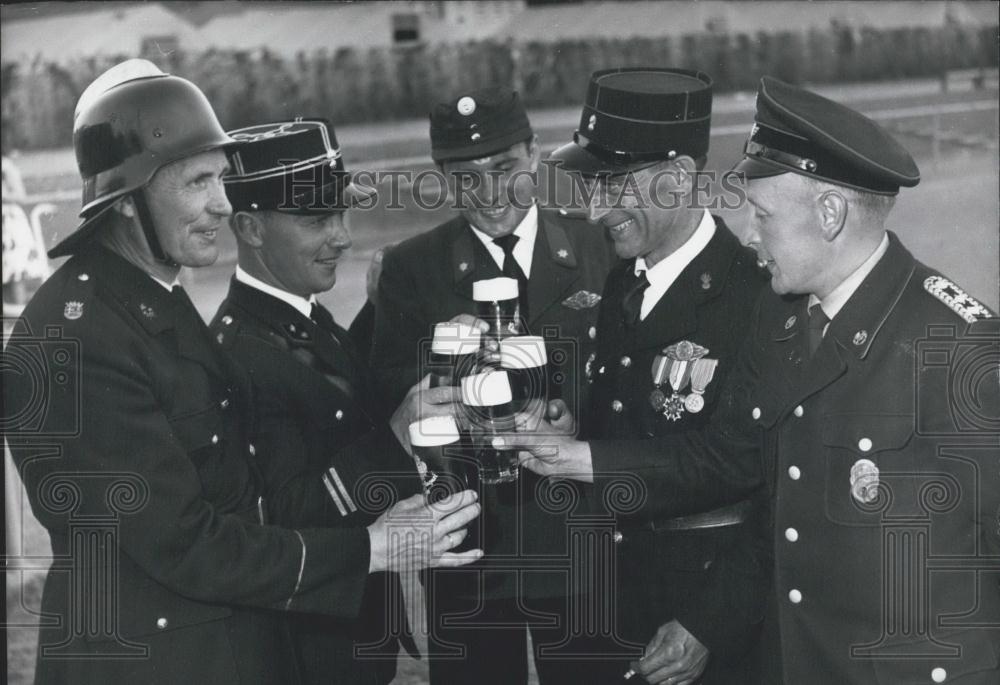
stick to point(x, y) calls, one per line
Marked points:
point(511, 269)
point(817, 322)
point(324, 319)
point(632, 301)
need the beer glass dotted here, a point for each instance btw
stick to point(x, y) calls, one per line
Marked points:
point(524, 359)
point(488, 401)
point(497, 305)
point(454, 353)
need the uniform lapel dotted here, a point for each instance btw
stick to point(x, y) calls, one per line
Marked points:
point(302, 334)
point(469, 259)
point(553, 268)
point(675, 316)
point(854, 329)
point(159, 311)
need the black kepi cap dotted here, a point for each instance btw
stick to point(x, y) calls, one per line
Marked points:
point(478, 124)
point(292, 166)
point(797, 131)
point(633, 117)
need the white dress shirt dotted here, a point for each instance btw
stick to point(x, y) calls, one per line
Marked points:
point(302, 304)
point(663, 274)
point(526, 232)
point(169, 286)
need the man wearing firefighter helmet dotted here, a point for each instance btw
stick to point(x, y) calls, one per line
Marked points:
point(129, 428)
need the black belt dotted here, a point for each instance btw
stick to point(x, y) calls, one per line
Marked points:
point(731, 515)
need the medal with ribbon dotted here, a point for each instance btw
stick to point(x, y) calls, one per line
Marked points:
point(680, 364)
point(702, 371)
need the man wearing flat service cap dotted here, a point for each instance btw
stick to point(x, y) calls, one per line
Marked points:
point(866, 401)
point(673, 312)
point(485, 144)
point(323, 441)
point(135, 456)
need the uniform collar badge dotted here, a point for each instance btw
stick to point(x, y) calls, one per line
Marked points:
point(706, 281)
point(562, 254)
point(146, 310)
point(790, 321)
point(73, 310)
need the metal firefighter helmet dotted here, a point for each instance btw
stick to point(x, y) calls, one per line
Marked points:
point(130, 122)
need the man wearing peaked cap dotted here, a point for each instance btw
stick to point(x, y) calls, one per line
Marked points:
point(323, 439)
point(673, 313)
point(854, 400)
point(482, 140)
point(136, 457)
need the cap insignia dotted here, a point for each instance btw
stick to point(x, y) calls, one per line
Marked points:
point(592, 122)
point(466, 106)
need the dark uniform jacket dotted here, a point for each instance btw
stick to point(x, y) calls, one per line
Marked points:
point(899, 585)
point(708, 576)
point(428, 279)
point(130, 433)
point(327, 458)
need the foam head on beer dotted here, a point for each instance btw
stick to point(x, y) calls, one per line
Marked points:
point(495, 290)
point(487, 389)
point(523, 352)
point(434, 431)
point(453, 339)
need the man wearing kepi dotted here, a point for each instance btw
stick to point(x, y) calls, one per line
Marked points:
point(673, 313)
point(866, 400)
point(323, 442)
point(130, 428)
point(484, 143)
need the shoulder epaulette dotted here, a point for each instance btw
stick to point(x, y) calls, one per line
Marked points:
point(957, 299)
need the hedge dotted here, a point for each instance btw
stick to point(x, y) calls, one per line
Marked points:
point(358, 85)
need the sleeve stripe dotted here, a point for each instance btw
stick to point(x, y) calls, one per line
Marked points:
point(333, 494)
point(302, 569)
point(343, 490)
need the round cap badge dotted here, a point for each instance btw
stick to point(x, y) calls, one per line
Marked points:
point(466, 106)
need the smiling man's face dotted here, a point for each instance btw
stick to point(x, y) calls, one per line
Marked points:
point(188, 205)
point(299, 252)
point(503, 184)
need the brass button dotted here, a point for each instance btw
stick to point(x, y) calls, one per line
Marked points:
point(592, 333)
point(162, 623)
point(799, 411)
point(215, 439)
point(794, 596)
point(794, 473)
point(617, 406)
point(939, 675)
point(626, 362)
point(339, 415)
point(755, 413)
point(617, 537)
point(253, 450)
point(865, 444)
point(224, 403)
point(791, 534)
point(227, 319)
